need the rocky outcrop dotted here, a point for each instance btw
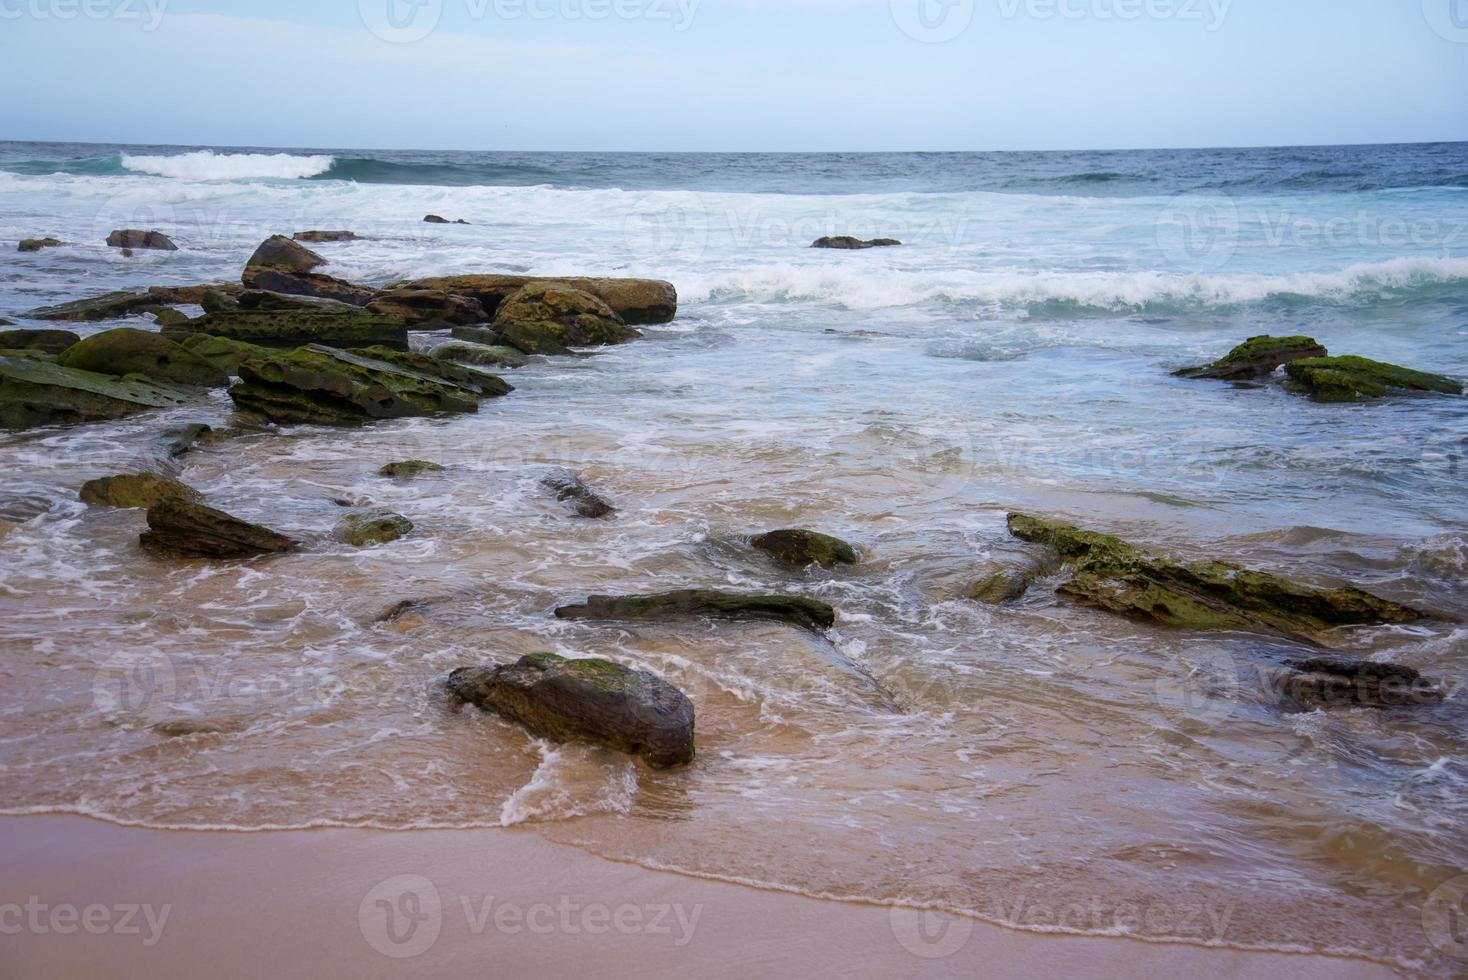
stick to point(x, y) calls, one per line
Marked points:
point(181, 438)
point(365, 527)
point(125, 303)
point(135, 490)
point(434, 219)
point(808, 614)
point(34, 392)
point(636, 301)
point(847, 242)
point(477, 335)
point(1327, 682)
point(126, 350)
point(548, 318)
point(225, 354)
point(590, 700)
point(46, 341)
point(128, 238)
point(265, 301)
point(1000, 586)
point(306, 284)
point(582, 500)
point(316, 237)
point(36, 244)
point(406, 469)
point(800, 548)
point(294, 328)
point(478, 354)
point(284, 255)
point(1110, 574)
point(484, 384)
point(1257, 357)
point(323, 386)
point(1349, 378)
point(191, 529)
point(422, 307)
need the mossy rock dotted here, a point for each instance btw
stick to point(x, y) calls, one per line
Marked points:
point(125, 303)
point(169, 317)
point(1257, 357)
point(127, 350)
point(1001, 585)
point(34, 392)
point(1349, 378)
point(410, 468)
point(465, 353)
point(801, 548)
point(426, 306)
point(486, 384)
point(477, 335)
point(135, 490)
point(550, 318)
point(636, 301)
point(808, 614)
point(589, 700)
point(44, 341)
point(297, 327)
point(226, 355)
point(366, 527)
point(188, 528)
point(280, 252)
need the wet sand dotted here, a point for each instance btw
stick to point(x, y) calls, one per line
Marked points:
point(84, 898)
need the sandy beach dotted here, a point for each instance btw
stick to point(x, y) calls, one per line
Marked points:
point(83, 898)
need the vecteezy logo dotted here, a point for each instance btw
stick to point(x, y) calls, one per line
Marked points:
point(401, 917)
point(927, 934)
point(1447, 18)
point(130, 683)
point(1203, 692)
point(401, 21)
point(932, 21)
point(1445, 917)
point(663, 230)
point(1198, 233)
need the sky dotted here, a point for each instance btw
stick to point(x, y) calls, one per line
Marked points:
point(752, 75)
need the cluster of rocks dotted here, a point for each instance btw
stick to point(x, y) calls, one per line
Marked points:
point(1309, 369)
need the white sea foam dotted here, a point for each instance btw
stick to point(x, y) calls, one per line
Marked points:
point(208, 165)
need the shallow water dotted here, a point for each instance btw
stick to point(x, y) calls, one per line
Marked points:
point(1039, 765)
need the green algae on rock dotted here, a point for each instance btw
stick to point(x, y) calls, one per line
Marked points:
point(467, 353)
point(549, 318)
point(410, 468)
point(1348, 378)
point(223, 353)
point(295, 328)
point(128, 350)
point(482, 382)
point(1257, 357)
point(365, 527)
point(591, 700)
point(636, 301)
point(135, 490)
point(188, 528)
point(45, 341)
point(802, 548)
point(808, 614)
point(35, 392)
point(1110, 574)
point(429, 306)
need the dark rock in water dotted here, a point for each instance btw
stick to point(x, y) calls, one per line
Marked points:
point(482, 383)
point(365, 527)
point(216, 302)
point(1257, 357)
point(133, 238)
point(312, 284)
point(263, 300)
point(405, 608)
point(49, 341)
point(802, 548)
point(280, 253)
point(798, 611)
point(477, 335)
point(320, 385)
point(636, 301)
point(36, 244)
point(34, 392)
point(569, 489)
point(434, 219)
point(1000, 586)
point(126, 350)
point(465, 353)
point(294, 328)
point(847, 242)
point(591, 700)
point(168, 317)
point(421, 306)
point(191, 529)
point(325, 236)
point(1325, 682)
point(223, 353)
point(1346, 379)
point(1110, 574)
point(186, 727)
point(546, 318)
point(135, 490)
point(125, 303)
point(181, 439)
point(410, 468)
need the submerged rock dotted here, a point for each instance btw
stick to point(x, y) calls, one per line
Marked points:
point(410, 468)
point(364, 527)
point(47, 341)
point(592, 700)
point(281, 253)
point(181, 439)
point(1257, 357)
point(1004, 584)
point(129, 238)
point(295, 328)
point(547, 318)
point(325, 236)
point(847, 242)
point(135, 490)
point(36, 244)
point(569, 489)
point(801, 548)
point(465, 353)
point(636, 301)
point(127, 350)
point(1324, 682)
point(808, 614)
point(34, 392)
point(425, 306)
point(186, 727)
point(1348, 378)
point(434, 219)
point(191, 529)
point(1110, 574)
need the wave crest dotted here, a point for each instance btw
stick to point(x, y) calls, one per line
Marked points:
point(208, 165)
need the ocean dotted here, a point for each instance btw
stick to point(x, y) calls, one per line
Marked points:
point(1037, 764)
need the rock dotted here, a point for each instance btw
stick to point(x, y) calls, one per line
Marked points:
point(477, 335)
point(1324, 682)
point(181, 439)
point(185, 727)
point(191, 529)
point(223, 353)
point(36, 244)
point(1257, 357)
point(547, 318)
point(132, 238)
point(798, 611)
point(364, 527)
point(124, 303)
point(423, 306)
point(312, 284)
point(263, 300)
point(847, 242)
point(802, 548)
point(325, 236)
point(410, 468)
point(481, 382)
point(434, 219)
point(284, 255)
point(215, 302)
point(295, 328)
point(48, 341)
point(636, 301)
point(1110, 574)
point(34, 392)
point(320, 385)
point(592, 700)
point(506, 357)
point(168, 317)
point(1348, 378)
point(135, 490)
point(569, 489)
point(1002, 585)
point(126, 350)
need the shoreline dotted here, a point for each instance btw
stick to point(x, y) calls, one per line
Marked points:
point(84, 891)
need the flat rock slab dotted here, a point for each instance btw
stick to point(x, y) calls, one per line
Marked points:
point(636, 301)
point(849, 243)
point(1350, 378)
point(297, 327)
point(801, 548)
point(808, 614)
point(35, 392)
point(191, 529)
